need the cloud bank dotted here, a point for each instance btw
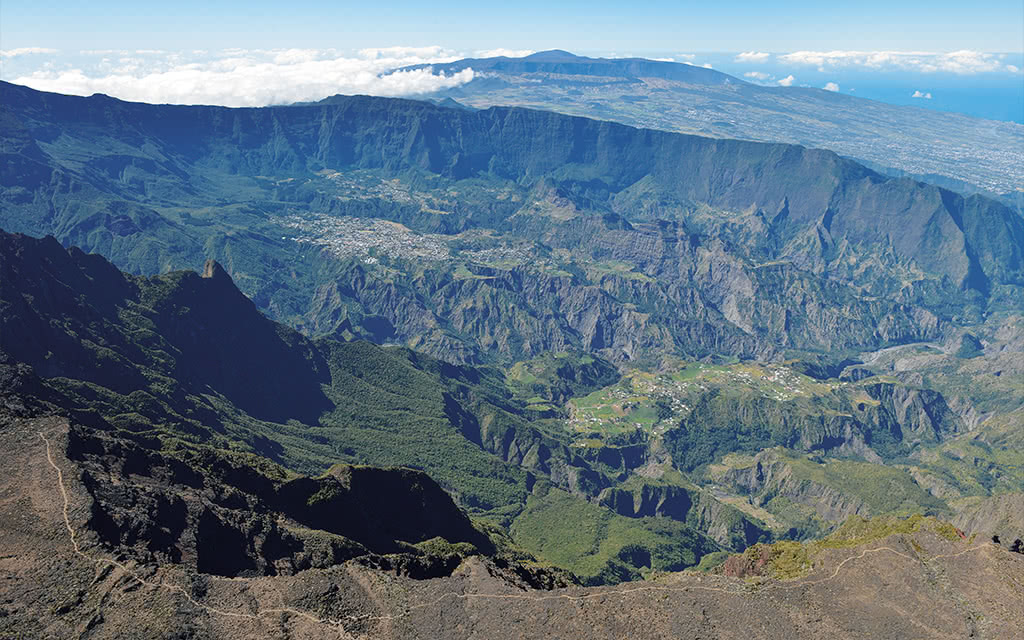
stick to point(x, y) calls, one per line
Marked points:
point(257, 77)
point(831, 86)
point(244, 78)
point(959, 62)
point(508, 53)
point(24, 51)
point(753, 56)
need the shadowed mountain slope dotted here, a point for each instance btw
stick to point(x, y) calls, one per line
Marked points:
point(182, 363)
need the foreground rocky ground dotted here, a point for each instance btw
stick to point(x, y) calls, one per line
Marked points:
point(57, 581)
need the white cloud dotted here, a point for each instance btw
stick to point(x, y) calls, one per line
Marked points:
point(256, 78)
point(391, 53)
point(831, 86)
point(753, 56)
point(960, 62)
point(664, 59)
point(508, 53)
point(24, 51)
point(757, 75)
point(918, 94)
point(295, 56)
point(104, 52)
point(1012, 68)
point(787, 81)
point(707, 65)
point(964, 62)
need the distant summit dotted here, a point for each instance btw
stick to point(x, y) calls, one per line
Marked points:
point(553, 54)
point(563, 63)
point(452, 104)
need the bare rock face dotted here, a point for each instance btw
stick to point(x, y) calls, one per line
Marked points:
point(920, 415)
point(1001, 515)
point(770, 476)
point(212, 269)
point(722, 523)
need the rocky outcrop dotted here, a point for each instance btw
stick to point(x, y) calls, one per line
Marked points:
point(886, 421)
point(770, 476)
point(649, 500)
point(557, 377)
point(855, 374)
point(722, 523)
point(914, 416)
point(222, 514)
point(541, 455)
point(719, 421)
point(1001, 515)
point(199, 330)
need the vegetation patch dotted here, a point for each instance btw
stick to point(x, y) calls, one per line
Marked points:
point(789, 559)
point(602, 547)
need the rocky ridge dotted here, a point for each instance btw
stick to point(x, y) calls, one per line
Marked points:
point(102, 596)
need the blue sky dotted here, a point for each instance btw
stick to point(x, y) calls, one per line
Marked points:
point(962, 56)
point(939, 25)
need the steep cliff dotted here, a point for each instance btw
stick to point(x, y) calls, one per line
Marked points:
point(655, 241)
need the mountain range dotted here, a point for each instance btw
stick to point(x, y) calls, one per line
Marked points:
point(630, 237)
point(449, 370)
point(949, 149)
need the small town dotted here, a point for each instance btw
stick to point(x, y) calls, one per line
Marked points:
point(347, 237)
